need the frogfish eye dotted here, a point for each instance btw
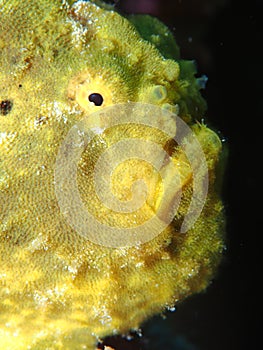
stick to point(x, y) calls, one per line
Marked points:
point(96, 98)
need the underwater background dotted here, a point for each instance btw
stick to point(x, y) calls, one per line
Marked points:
point(224, 37)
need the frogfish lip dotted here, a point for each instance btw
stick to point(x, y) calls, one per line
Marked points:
point(115, 183)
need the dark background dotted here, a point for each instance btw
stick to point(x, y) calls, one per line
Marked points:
point(225, 39)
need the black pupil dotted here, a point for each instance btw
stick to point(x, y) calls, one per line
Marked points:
point(96, 98)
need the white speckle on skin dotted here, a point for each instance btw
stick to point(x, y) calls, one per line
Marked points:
point(7, 138)
point(2, 137)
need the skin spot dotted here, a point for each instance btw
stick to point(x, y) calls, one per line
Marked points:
point(5, 107)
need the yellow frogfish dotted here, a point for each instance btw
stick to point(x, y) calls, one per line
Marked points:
point(110, 208)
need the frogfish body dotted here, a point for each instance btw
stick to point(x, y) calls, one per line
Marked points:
point(65, 63)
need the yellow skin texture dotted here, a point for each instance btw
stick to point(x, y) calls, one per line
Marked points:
point(58, 290)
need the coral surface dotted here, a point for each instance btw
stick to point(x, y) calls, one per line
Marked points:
point(60, 62)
